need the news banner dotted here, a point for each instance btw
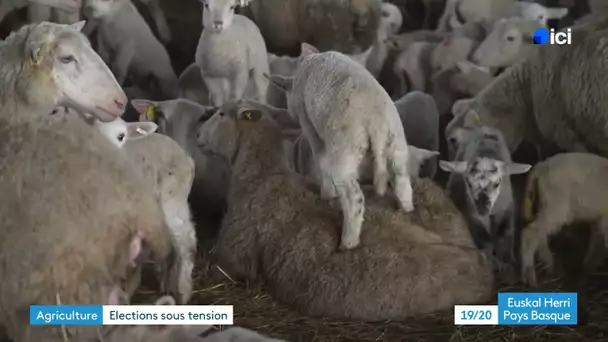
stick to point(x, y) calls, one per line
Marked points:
point(514, 308)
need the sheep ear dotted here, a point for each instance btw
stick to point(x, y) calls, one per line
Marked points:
point(453, 166)
point(516, 168)
point(138, 130)
point(79, 25)
point(282, 82)
point(307, 50)
point(422, 154)
point(146, 108)
point(36, 55)
point(252, 115)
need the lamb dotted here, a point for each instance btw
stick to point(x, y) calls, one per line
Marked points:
point(480, 187)
point(341, 140)
point(566, 188)
point(69, 180)
point(534, 11)
point(126, 43)
point(549, 99)
point(390, 23)
point(424, 252)
point(166, 165)
point(180, 120)
point(229, 47)
point(510, 42)
point(346, 26)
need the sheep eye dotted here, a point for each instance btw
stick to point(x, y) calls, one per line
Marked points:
point(206, 6)
point(232, 7)
point(221, 113)
point(67, 59)
point(385, 14)
point(121, 136)
point(510, 38)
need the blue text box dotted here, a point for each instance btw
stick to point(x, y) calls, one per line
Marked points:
point(66, 314)
point(537, 308)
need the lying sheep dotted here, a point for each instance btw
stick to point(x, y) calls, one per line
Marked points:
point(180, 120)
point(552, 99)
point(229, 47)
point(127, 44)
point(566, 188)
point(510, 42)
point(329, 96)
point(427, 251)
point(166, 165)
point(68, 180)
point(6, 6)
point(534, 11)
point(480, 187)
point(346, 26)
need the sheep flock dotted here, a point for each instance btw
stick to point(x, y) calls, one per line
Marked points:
point(337, 170)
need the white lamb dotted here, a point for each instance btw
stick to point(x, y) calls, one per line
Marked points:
point(534, 11)
point(229, 47)
point(564, 189)
point(345, 114)
point(390, 23)
point(126, 43)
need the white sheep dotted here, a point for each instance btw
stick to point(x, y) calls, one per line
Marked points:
point(98, 214)
point(534, 11)
point(230, 46)
point(551, 99)
point(390, 23)
point(480, 186)
point(564, 189)
point(345, 114)
point(166, 165)
point(127, 44)
point(510, 41)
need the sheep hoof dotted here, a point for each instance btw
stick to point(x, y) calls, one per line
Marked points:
point(348, 244)
point(407, 207)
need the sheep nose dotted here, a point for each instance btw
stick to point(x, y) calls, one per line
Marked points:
point(218, 25)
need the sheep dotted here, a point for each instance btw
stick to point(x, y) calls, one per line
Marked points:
point(550, 99)
point(510, 42)
point(180, 119)
point(346, 26)
point(341, 140)
point(166, 165)
point(390, 23)
point(413, 67)
point(126, 43)
point(561, 190)
point(459, 12)
point(229, 47)
point(451, 50)
point(68, 180)
point(7, 6)
point(480, 186)
point(190, 85)
point(534, 11)
point(392, 19)
point(297, 257)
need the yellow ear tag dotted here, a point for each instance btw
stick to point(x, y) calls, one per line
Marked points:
point(151, 113)
point(36, 60)
point(477, 118)
point(247, 115)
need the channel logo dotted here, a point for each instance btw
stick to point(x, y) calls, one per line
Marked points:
point(544, 36)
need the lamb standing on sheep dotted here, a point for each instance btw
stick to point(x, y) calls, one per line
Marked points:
point(345, 114)
point(552, 99)
point(166, 165)
point(566, 188)
point(278, 232)
point(68, 180)
point(229, 47)
point(126, 43)
point(480, 187)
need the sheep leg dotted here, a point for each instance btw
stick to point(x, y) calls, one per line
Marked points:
point(504, 249)
point(158, 15)
point(261, 83)
point(403, 186)
point(238, 84)
point(38, 13)
point(378, 145)
point(351, 200)
point(216, 87)
point(122, 60)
